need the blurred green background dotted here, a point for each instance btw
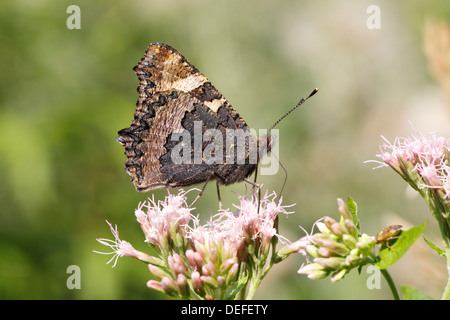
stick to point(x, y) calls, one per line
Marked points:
point(65, 93)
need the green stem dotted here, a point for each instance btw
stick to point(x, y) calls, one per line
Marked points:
point(389, 280)
point(253, 286)
point(441, 215)
point(243, 273)
point(446, 294)
point(257, 277)
point(255, 281)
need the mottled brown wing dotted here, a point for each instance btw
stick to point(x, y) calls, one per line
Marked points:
point(171, 90)
point(144, 140)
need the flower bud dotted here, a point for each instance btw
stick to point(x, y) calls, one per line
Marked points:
point(353, 258)
point(169, 286)
point(220, 281)
point(349, 240)
point(338, 229)
point(323, 228)
point(195, 259)
point(319, 238)
point(407, 169)
point(391, 160)
point(200, 249)
point(226, 265)
point(183, 285)
point(197, 283)
point(350, 226)
point(177, 264)
point(342, 208)
point(313, 251)
point(329, 221)
point(365, 243)
point(209, 281)
point(324, 252)
point(331, 263)
point(157, 272)
point(336, 248)
point(298, 246)
point(155, 285)
point(209, 269)
point(313, 271)
point(232, 273)
point(338, 275)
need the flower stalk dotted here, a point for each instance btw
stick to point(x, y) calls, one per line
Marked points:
point(391, 284)
point(423, 162)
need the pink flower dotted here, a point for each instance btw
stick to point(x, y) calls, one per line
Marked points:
point(257, 226)
point(121, 248)
point(422, 160)
point(164, 219)
point(431, 176)
point(205, 260)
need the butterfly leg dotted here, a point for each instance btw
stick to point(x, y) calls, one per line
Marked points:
point(200, 193)
point(256, 175)
point(218, 195)
point(258, 187)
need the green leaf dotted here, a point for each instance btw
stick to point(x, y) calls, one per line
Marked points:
point(235, 288)
point(411, 293)
point(389, 255)
point(433, 246)
point(360, 269)
point(353, 208)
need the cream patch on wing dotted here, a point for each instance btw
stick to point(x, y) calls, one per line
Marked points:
point(215, 104)
point(192, 82)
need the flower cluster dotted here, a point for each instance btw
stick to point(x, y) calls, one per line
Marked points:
point(164, 223)
point(218, 260)
point(423, 161)
point(337, 248)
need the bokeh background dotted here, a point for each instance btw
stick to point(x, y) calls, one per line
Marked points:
point(65, 93)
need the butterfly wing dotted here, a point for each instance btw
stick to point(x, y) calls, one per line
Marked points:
point(173, 97)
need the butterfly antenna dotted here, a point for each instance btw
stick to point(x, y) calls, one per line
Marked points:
point(279, 120)
point(285, 175)
point(296, 106)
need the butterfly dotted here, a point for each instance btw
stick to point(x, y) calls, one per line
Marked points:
point(184, 131)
